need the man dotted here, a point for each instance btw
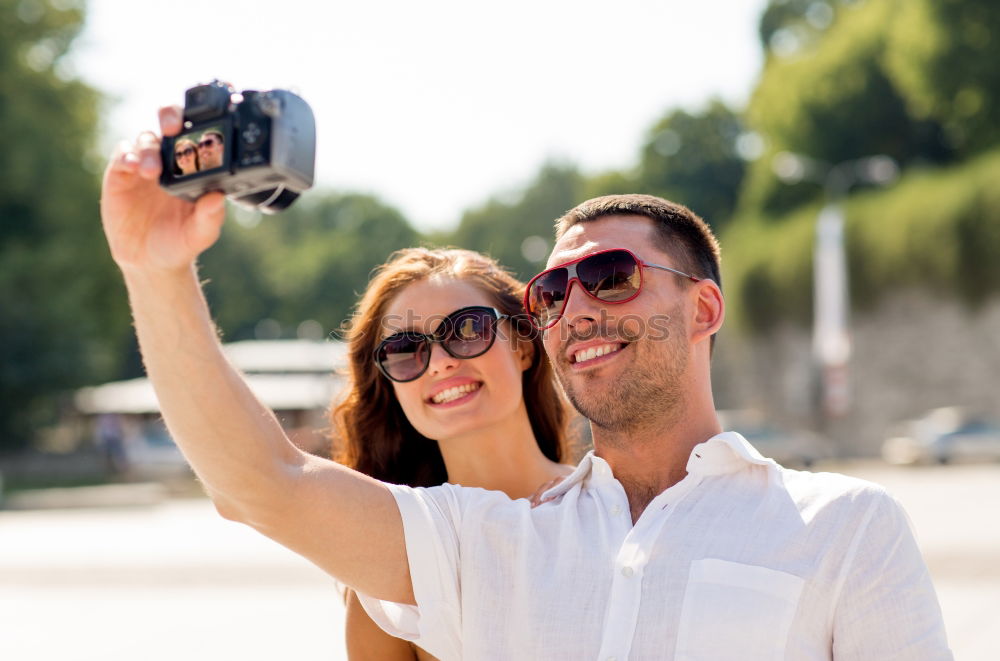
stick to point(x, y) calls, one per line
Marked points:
point(671, 541)
point(211, 149)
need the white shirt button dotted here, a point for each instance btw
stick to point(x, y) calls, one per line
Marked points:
point(612, 658)
point(627, 572)
point(616, 510)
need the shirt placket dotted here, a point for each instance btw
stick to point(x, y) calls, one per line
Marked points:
point(629, 566)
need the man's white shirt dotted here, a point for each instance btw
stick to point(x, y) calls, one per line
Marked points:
point(742, 559)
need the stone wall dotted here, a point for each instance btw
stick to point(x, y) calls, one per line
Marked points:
point(912, 352)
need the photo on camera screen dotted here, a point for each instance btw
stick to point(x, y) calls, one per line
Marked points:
point(199, 151)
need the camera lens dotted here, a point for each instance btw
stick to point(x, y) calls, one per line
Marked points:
point(281, 202)
point(258, 198)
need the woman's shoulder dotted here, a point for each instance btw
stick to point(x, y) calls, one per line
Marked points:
point(560, 473)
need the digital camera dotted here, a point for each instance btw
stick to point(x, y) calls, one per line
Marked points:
point(259, 148)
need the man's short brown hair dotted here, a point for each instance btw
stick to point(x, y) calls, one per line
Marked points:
point(216, 133)
point(679, 232)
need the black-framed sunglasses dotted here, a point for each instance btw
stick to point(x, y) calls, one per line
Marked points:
point(468, 332)
point(187, 151)
point(610, 276)
point(208, 142)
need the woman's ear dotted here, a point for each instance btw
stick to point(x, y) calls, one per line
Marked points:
point(525, 352)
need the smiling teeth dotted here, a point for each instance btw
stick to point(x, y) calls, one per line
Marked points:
point(594, 352)
point(452, 394)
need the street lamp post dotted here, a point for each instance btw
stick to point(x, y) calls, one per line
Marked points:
point(831, 341)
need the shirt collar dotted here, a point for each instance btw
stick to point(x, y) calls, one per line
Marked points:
point(723, 453)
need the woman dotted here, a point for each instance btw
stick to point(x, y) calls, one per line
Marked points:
point(186, 155)
point(449, 383)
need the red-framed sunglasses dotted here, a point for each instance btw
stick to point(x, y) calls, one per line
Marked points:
point(610, 276)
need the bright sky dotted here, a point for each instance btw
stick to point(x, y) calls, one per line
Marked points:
point(434, 106)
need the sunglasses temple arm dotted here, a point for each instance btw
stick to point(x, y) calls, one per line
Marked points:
point(667, 268)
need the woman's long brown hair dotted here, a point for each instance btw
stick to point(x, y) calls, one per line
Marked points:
point(373, 434)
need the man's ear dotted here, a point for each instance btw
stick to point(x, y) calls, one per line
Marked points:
point(709, 311)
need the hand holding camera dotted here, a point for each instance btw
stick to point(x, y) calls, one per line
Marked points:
point(162, 205)
point(147, 228)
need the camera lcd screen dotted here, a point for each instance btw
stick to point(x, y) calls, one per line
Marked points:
point(202, 150)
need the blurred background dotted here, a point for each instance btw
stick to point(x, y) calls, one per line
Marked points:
point(846, 153)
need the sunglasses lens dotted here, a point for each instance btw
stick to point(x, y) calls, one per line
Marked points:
point(470, 332)
point(548, 291)
point(403, 357)
point(610, 276)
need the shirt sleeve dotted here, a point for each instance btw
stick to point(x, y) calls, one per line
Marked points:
point(430, 525)
point(887, 608)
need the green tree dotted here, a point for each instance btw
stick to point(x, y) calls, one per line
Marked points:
point(694, 159)
point(833, 100)
point(612, 182)
point(942, 56)
point(518, 232)
point(63, 321)
point(309, 263)
point(790, 25)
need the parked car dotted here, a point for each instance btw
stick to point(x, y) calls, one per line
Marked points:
point(944, 435)
point(794, 448)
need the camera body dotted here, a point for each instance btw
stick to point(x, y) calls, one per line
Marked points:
point(259, 148)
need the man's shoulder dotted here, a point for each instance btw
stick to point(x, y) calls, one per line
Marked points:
point(814, 490)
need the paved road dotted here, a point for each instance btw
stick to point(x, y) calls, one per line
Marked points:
point(174, 581)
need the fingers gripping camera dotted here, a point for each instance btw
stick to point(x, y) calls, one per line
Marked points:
point(259, 148)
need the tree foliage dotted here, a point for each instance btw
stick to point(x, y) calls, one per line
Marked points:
point(693, 158)
point(689, 157)
point(937, 229)
point(787, 26)
point(942, 55)
point(913, 79)
point(832, 100)
point(518, 231)
point(308, 264)
point(59, 327)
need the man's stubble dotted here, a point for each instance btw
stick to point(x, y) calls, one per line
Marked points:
point(649, 391)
